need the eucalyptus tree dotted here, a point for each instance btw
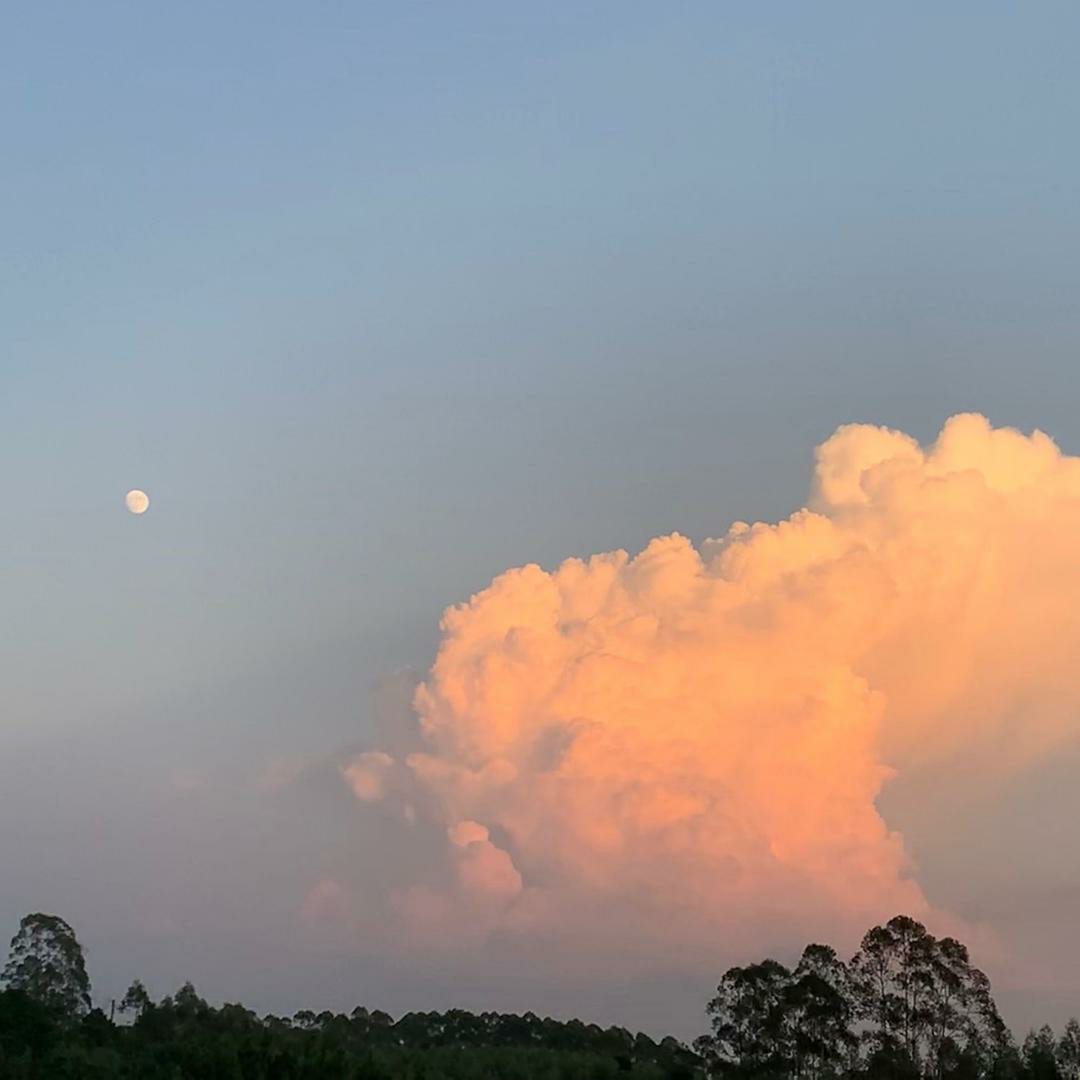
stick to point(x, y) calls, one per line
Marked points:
point(1040, 1054)
point(960, 1018)
point(820, 1014)
point(751, 1029)
point(891, 981)
point(46, 963)
point(926, 1009)
point(136, 999)
point(1068, 1051)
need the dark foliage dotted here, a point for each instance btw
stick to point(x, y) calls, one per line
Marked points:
point(183, 1037)
point(907, 1006)
point(46, 962)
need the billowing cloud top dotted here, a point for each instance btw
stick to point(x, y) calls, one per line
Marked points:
point(650, 756)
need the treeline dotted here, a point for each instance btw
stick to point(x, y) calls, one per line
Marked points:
point(907, 1006)
point(48, 1029)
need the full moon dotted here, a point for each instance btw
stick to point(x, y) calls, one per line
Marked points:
point(137, 501)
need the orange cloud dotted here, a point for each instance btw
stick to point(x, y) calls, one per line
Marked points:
point(688, 745)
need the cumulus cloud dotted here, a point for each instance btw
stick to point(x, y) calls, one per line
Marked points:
point(366, 774)
point(677, 753)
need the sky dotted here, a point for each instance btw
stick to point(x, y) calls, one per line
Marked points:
point(379, 301)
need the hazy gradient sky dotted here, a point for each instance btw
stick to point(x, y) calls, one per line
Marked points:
point(379, 299)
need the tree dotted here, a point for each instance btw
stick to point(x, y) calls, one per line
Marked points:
point(1040, 1054)
point(928, 1010)
point(961, 1021)
point(751, 1028)
point(891, 979)
point(820, 1012)
point(187, 1002)
point(46, 963)
point(1068, 1051)
point(135, 1000)
point(908, 1006)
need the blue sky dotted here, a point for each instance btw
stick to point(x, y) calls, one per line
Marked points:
point(377, 299)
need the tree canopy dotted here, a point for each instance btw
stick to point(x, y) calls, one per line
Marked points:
point(906, 1006)
point(46, 963)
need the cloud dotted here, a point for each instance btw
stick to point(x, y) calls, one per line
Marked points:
point(325, 900)
point(678, 756)
point(366, 774)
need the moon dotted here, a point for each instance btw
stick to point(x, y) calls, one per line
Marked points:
point(138, 502)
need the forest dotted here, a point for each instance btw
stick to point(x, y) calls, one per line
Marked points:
point(906, 1006)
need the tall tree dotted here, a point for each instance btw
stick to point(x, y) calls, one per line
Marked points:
point(1068, 1051)
point(751, 1033)
point(820, 1013)
point(928, 1010)
point(46, 963)
point(960, 1017)
point(892, 978)
point(136, 999)
point(1040, 1054)
point(879, 1002)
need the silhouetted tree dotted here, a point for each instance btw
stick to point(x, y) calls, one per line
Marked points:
point(907, 1007)
point(1068, 1051)
point(820, 1013)
point(751, 1029)
point(927, 1011)
point(890, 976)
point(135, 1000)
point(960, 1021)
point(46, 963)
point(1040, 1054)
point(187, 1002)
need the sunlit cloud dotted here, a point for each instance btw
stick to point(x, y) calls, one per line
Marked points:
point(634, 756)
